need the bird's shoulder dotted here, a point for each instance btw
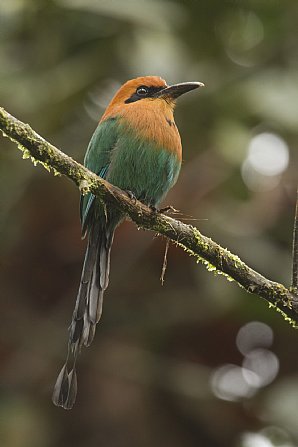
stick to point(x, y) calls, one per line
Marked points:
point(97, 160)
point(101, 145)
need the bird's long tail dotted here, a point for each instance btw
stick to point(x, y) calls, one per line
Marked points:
point(88, 308)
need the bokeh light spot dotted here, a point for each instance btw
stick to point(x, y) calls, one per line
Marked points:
point(241, 32)
point(264, 364)
point(252, 335)
point(255, 440)
point(229, 383)
point(268, 154)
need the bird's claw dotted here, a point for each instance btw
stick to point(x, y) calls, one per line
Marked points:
point(154, 209)
point(131, 195)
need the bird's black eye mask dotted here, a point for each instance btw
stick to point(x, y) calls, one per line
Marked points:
point(143, 91)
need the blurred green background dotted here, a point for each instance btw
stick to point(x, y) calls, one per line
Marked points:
point(196, 362)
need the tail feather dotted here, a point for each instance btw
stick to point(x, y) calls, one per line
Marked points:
point(89, 334)
point(95, 294)
point(100, 277)
point(65, 389)
point(87, 272)
point(88, 309)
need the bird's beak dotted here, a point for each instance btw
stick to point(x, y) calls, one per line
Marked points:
point(173, 91)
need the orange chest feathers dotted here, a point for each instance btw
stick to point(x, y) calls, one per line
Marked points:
point(153, 121)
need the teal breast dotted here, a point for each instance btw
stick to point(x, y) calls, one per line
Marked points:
point(142, 167)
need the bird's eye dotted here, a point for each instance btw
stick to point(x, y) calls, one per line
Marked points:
point(142, 91)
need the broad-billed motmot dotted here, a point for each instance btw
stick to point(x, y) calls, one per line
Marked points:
point(136, 146)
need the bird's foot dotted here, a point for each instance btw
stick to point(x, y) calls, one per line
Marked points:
point(131, 196)
point(154, 209)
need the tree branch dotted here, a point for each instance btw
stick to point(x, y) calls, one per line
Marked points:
point(215, 257)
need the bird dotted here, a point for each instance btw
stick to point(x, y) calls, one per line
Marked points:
point(136, 147)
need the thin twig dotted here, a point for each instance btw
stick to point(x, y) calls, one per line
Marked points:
point(216, 258)
point(294, 286)
point(165, 263)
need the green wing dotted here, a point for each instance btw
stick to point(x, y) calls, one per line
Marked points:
point(97, 159)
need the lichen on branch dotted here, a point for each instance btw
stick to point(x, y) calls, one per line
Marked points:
point(216, 258)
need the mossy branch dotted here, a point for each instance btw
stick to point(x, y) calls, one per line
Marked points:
point(205, 250)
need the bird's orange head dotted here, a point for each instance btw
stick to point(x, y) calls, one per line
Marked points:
point(145, 105)
point(147, 92)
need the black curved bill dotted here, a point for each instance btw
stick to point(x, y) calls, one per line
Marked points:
point(176, 90)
